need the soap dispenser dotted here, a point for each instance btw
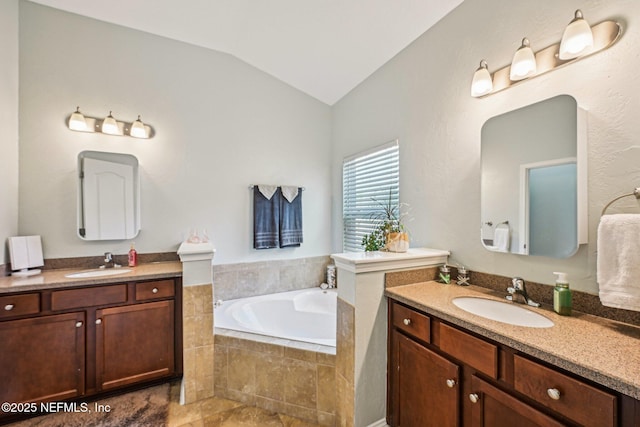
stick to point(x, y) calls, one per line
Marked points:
point(562, 295)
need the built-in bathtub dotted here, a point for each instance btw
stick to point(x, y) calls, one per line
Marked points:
point(307, 315)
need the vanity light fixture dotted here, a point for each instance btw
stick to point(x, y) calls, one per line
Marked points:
point(109, 125)
point(523, 64)
point(77, 121)
point(137, 129)
point(482, 83)
point(577, 38)
point(578, 41)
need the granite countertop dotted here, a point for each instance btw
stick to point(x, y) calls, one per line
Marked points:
point(602, 350)
point(50, 279)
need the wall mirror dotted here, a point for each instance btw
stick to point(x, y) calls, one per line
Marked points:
point(534, 179)
point(108, 196)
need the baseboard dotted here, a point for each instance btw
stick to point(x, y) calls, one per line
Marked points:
point(379, 423)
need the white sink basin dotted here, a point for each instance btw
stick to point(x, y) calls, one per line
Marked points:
point(502, 312)
point(97, 273)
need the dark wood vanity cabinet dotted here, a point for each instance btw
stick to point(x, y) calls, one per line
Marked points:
point(67, 343)
point(443, 375)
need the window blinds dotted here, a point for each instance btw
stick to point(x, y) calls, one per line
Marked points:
point(368, 180)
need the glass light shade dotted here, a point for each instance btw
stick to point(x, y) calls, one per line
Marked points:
point(482, 83)
point(577, 38)
point(524, 62)
point(109, 125)
point(77, 121)
point(137, 129)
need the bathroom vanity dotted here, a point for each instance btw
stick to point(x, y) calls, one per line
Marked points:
point(447, 367)
point(65, 339)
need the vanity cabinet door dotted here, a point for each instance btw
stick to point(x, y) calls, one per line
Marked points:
point(42, 358)
point(134, 343)
point(491, 407)
point(427, 386)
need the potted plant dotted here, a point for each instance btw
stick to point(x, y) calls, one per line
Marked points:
point(389, 233)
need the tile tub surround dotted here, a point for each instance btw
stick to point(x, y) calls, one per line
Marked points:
point(345, 364)
point(248, 279)
point(287, 377)
point(582, 301)
point(198, 348)
point(598, 349)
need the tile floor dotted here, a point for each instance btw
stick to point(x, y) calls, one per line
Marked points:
point(159, 406)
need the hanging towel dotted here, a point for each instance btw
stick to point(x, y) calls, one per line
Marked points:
point(289, 192)
point(501, 238)
point(618, 261)
point(290, 218)
point(266, 217)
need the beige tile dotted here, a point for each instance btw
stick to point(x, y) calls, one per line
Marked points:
point(300, 354)
point(345, 348)
point(326, 389)
point(306, 414)
point(241, 370)
point(220, 366)
point(215, 405)
point(300, 383)
point(244, 416)
point(270, 377)
point(325, 419)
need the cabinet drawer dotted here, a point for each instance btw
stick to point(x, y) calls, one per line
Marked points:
point(572, 398)
point(473, 351)
point(153, 290)
point(412, 322)
point(18, 305)
point(88, 297)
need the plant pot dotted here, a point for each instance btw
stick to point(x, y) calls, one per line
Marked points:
point(397, 242)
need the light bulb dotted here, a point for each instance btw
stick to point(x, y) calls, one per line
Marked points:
point(524, 62)
point(138, 130)
point(482, 83)
point(577, 38)
point(110, 126)
point(77, 121)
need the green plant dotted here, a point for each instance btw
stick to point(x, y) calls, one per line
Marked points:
point(388, 219)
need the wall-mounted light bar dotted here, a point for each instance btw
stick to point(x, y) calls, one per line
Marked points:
point(579, 40)
point(109, 125)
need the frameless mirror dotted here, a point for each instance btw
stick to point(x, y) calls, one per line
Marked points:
point(534, 178)
point(108, 196)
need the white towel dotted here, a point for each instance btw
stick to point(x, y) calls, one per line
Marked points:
point(267, 190)
point(289, 192)
point(501, 238)
point(618, 261)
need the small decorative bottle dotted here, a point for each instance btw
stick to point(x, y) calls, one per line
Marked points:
point(133, 256)
point(562, 295)
point(445, 274)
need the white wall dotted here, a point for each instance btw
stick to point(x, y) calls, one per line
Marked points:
point(422, 96)
point(220, 124)
point(9, 121)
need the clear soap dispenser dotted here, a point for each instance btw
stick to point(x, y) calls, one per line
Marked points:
point(562, 295)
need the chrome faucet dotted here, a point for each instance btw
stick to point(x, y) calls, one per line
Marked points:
point(108, 261)
point(518, 288)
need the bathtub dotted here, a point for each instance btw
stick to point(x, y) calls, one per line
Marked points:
point(307, 315)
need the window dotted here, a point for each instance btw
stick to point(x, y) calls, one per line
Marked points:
point(368, 179)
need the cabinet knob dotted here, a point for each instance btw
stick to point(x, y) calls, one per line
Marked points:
point(78, 324)
point(98, 321)
point(474, 398)
point(9, 307)
point(154, 290)
point(554, 393)
point(451, 383)
point(407, 322)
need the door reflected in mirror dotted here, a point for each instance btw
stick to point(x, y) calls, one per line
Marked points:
point(533, 179)
point(108, 196)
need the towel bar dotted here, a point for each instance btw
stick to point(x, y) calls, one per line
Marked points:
point(636, 193)
point(251, 187)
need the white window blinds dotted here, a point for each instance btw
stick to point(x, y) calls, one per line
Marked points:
point(368, 179)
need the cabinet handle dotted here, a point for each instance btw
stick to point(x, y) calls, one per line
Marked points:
point(451, 383)
point(9, 307)
point(474, 398)
point(154, 290)
point(98, 321)
point(554, 393)
point(407, 322)
point(78, 324)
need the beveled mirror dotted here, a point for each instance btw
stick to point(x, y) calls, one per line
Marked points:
point(534, 178)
